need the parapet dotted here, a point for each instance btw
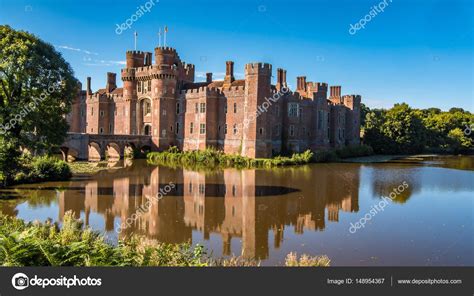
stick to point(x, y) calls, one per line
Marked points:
point(165, 49)
point(258, 68)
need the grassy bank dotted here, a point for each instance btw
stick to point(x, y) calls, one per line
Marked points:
point(45, 244)
point(211, 158)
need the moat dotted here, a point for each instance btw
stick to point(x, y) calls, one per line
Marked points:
point(266, 214)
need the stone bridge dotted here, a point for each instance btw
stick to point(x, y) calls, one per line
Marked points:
point(93, 147)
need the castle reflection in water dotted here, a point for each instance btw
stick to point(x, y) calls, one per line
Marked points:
point(243, 204)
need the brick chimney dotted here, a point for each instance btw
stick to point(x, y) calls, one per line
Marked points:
point(301, 83)
point(229, 73)
point(111, 82)
point(88, 86)
point(281, 78)
point(208, 77)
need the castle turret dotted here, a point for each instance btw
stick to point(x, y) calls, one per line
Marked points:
point(135, 59)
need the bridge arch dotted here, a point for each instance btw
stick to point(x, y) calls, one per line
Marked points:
point(69, 154)
point(114, 152)
point(95, 152)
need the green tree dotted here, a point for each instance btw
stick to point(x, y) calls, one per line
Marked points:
point(36, 90)
point(404, 127)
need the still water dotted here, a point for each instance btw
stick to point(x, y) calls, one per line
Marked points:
point(266, 214)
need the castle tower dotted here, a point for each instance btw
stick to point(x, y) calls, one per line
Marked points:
point(164, 104)
point(257, 129)
point(134, 59)
point(352, 102)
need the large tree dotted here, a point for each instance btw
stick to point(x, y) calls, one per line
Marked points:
point(37, 87)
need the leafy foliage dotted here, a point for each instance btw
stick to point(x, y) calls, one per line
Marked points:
point(403, 130)
point(42, 168)
point(211, 158)
point(46, 244)
point(36, 90)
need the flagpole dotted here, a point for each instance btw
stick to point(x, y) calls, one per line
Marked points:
point(135, 34)
point(159, 38)
point(166, 30)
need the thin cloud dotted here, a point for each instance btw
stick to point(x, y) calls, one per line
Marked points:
point(76, 49)
point(105, 63)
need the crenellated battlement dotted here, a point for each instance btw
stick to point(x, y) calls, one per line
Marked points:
point(258, 68)
point(202, 90)
point(165, 49)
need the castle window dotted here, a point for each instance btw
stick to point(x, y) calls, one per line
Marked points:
point(235, 107)
point(292, 130)
point(191, 127)
point(190, 187)
point(202, 128)
point(196, 108)
point(177, 127)
point(110, 128)
point(102, 113)
point(293, 109)
point(320, 119)
point(235, 129)
point(260, 130)
point(203, 108)
point(101, 130)
point(92, 111)
point(234, 190)
point(202, 189)
point(163, 133)
point(164, 112)
point(146, 107)
point(225, 108)
point(225, 129)
point(149, 85)
point(178, 105)
point(139, 86)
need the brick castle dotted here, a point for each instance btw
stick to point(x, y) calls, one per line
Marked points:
point(251, 116)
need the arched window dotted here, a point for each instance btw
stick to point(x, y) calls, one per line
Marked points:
point(147, 130)
point(146, 107)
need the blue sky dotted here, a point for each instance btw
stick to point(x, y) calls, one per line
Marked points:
point(415, 51)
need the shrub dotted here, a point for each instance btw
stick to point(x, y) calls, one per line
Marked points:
point(42, 168)
point(211, 158)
